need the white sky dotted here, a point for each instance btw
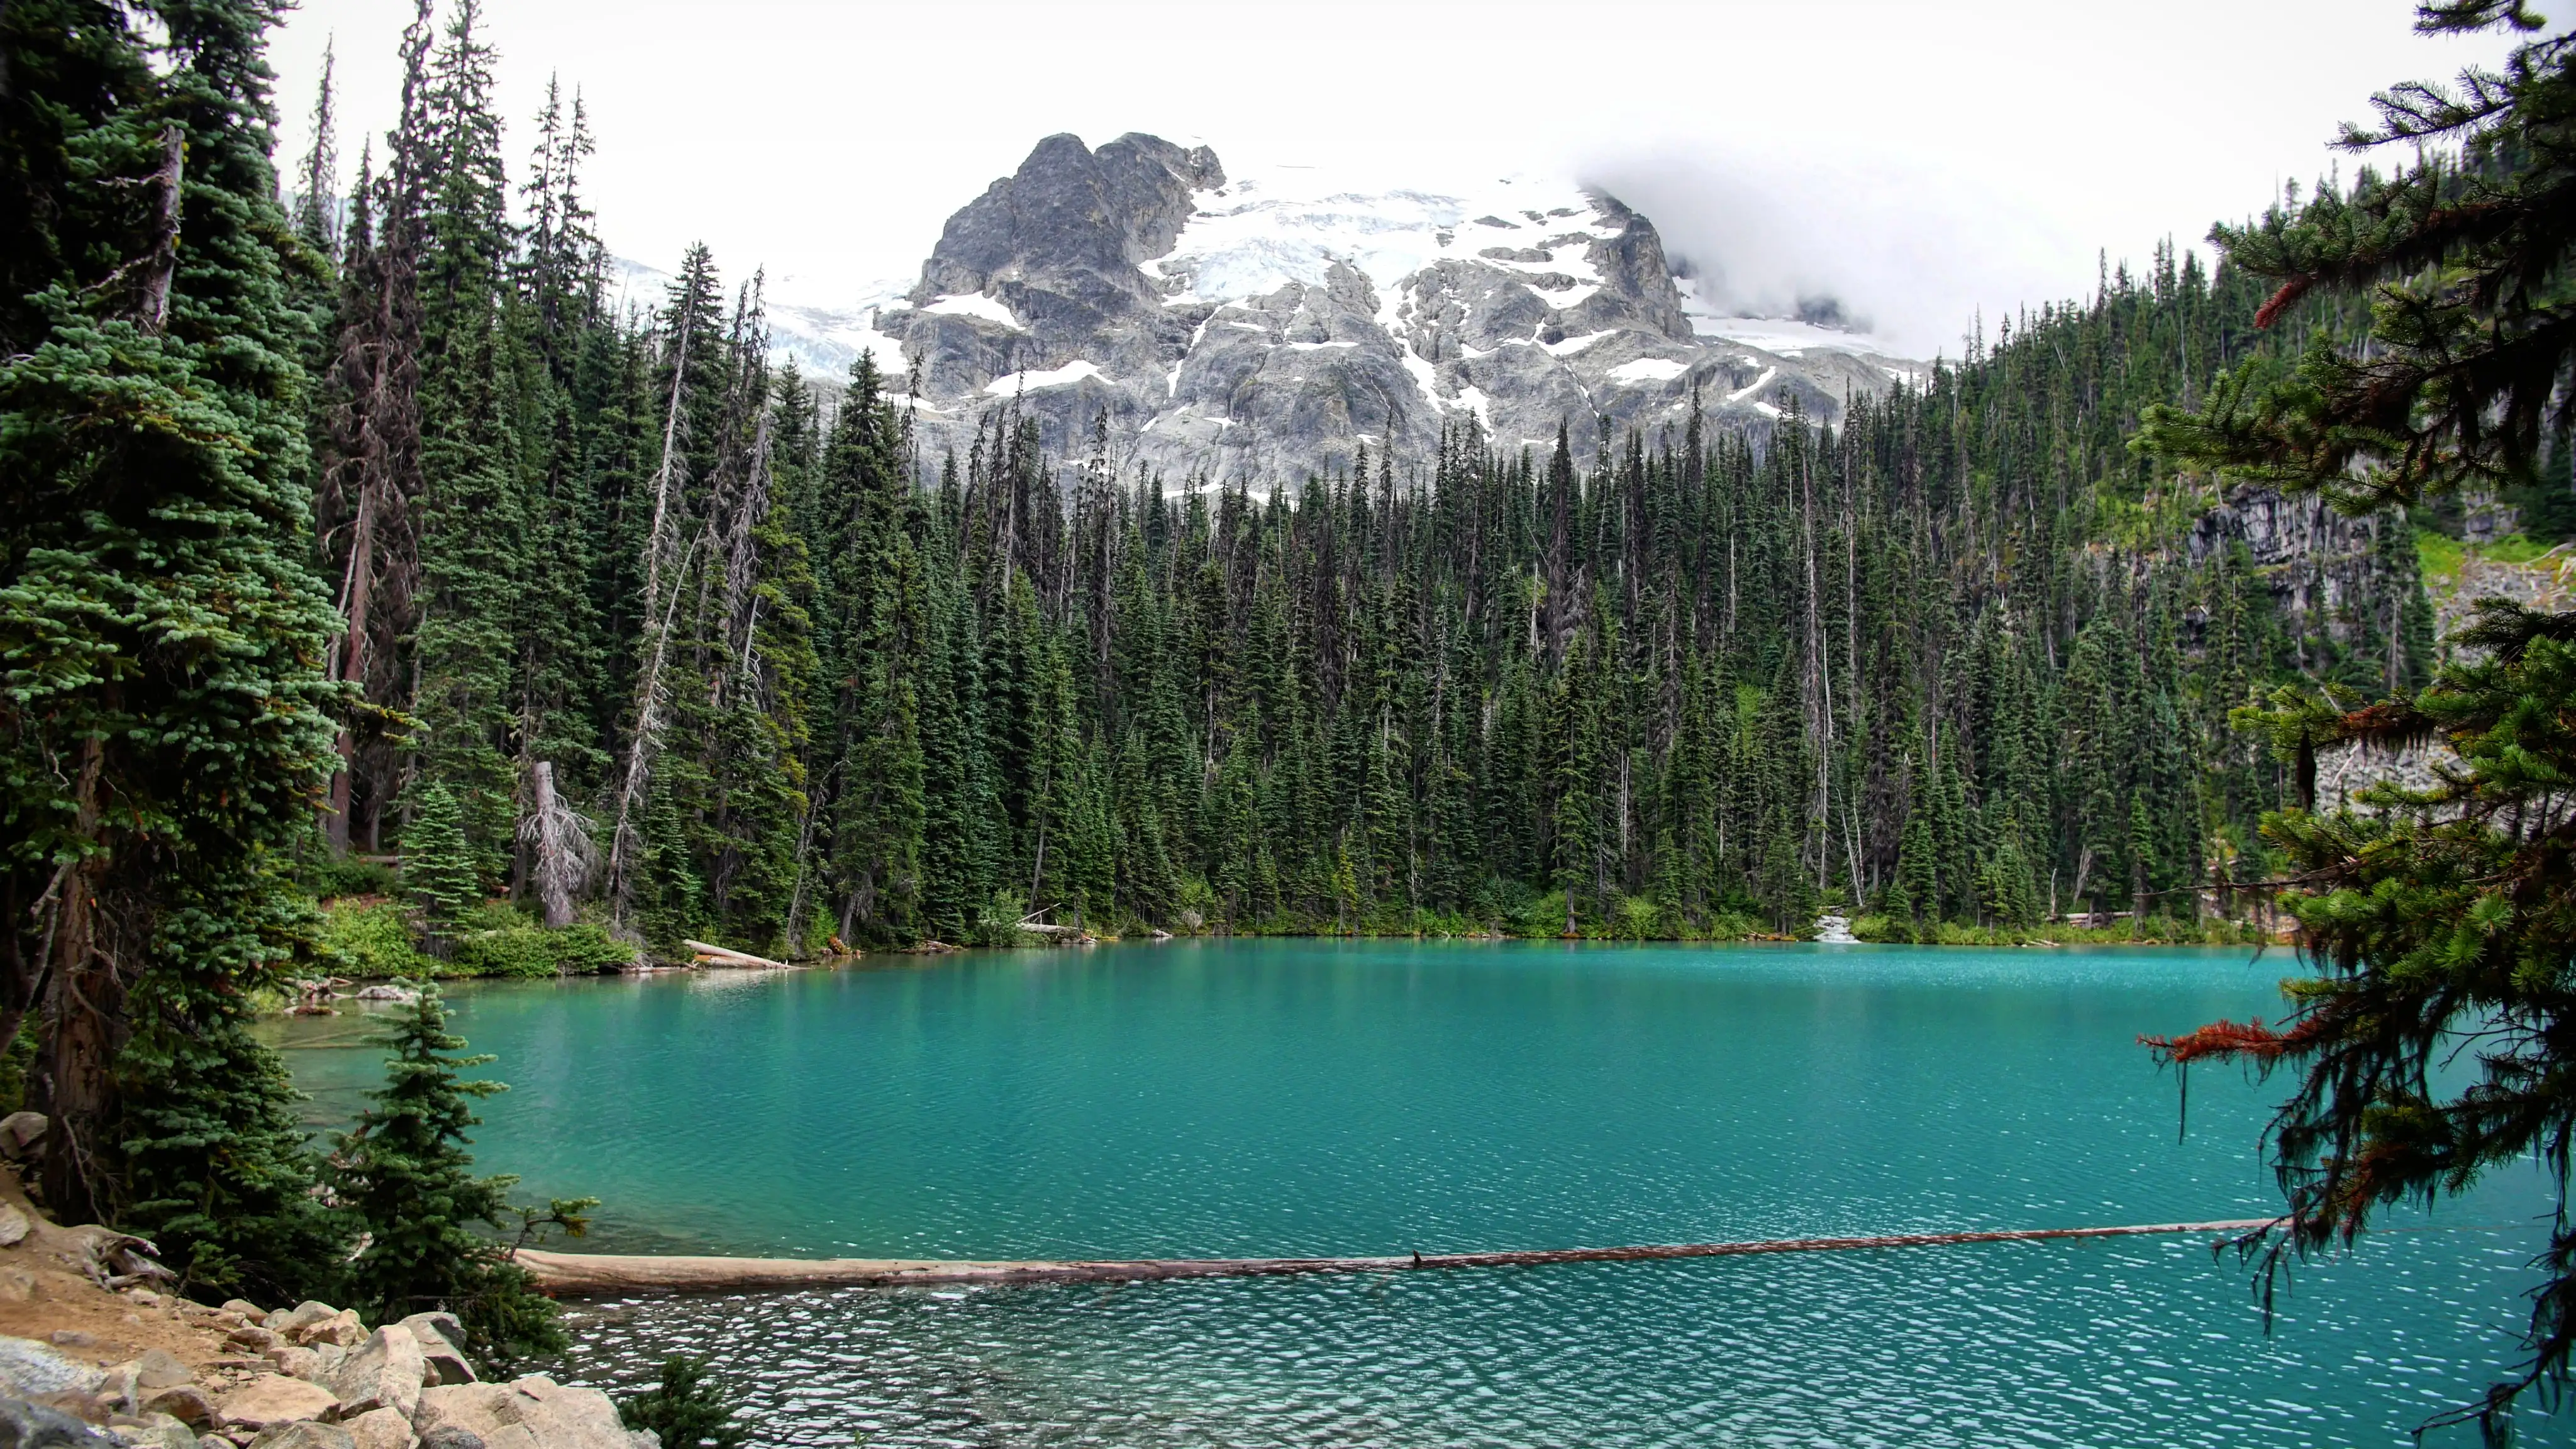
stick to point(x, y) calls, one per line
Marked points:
point(1918, 160)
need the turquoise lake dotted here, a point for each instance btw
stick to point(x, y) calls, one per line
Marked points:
point(1340, 1098)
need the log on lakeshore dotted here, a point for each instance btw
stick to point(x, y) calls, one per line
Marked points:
point(725, 956)
point(588, 1274)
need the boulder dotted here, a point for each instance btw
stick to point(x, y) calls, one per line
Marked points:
point(33, 1426)
point(295, 1363)
point(159, 1368)
point(245, 1308)
point(28, 1368)
point(341, 1328)
point(386, 1373)
point(304, 1434)
point(187, 1403)
point(285, 1321)
point(253, 1338)
point(14, 1225)
point(450, 1436)
point(379, 1429)
point(153, 1431)
point(20, 1131)
point(438, 1335)
point(275, 1399)
point(530, 1413)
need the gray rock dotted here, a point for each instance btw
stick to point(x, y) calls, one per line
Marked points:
point(158, 1368)
point(190, 1404)
point(271, 1399)
point(384, 1373)
point(28, 1368)
point(294, 1362)
point(14, 1225)
point(154, 1431)
point(33, 1426)
point(379, 1429)
point(304, 1434)
point(450, 1436)
point(527, 1413)
point(438, 1335)
point(21, 1131)
point(341, 1329)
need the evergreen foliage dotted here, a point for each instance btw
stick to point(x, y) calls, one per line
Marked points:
point(2439, 923)
point(161, 630)
point(404, 1176)
point(437, 868)
point(687, 1409)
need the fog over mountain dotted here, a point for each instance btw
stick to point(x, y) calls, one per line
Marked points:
point(1919, 163)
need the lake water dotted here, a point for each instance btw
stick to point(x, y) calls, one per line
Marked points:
point(1341, 1098)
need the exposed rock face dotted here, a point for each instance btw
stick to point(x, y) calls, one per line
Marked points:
point(1251, 329)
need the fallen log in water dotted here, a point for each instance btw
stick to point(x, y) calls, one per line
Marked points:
point(584, 1274)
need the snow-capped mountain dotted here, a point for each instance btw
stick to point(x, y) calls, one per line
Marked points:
point(1269, 325)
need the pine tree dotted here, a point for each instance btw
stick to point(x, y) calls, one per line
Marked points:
point(439, 866)
point(406, 1179)
point(2432, 914)
point(161, 627)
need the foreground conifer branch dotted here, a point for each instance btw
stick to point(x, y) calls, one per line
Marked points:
point(2441, 921)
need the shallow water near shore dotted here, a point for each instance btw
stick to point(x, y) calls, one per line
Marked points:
point(1327, 1097)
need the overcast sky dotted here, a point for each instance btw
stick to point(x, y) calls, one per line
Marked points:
point(1918, 161)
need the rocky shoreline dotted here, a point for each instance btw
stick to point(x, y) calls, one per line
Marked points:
point(93, 1356)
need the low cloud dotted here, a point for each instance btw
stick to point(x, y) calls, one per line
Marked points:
point(1895, 250)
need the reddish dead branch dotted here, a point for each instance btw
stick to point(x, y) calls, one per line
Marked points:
point(2228, 1041)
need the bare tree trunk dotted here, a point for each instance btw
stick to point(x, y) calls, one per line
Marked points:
point(625, 846)
point(559, 841)
point(161, 266)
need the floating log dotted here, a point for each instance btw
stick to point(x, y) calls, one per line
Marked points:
point(593, 1274)
point(720, 956)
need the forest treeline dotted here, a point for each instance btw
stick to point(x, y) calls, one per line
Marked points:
point(345, 522)
point(644, 626)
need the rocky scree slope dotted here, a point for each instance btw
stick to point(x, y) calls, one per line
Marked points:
point(1267, 327)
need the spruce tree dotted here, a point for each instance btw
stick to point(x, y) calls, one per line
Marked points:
point(160, 628)
point(406, 1180)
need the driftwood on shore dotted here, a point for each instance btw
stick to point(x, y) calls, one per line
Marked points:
point(724, 956)
point(587, 1274)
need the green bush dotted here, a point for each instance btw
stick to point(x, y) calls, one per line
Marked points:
point(497, 941)
point(329, 877)
point(370, 938)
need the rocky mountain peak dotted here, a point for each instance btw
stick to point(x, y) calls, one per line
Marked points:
point(1272, 325)
point(1073, 220)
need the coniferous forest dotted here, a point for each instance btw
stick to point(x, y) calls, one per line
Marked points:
point(635, 624)
point(385, 590)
